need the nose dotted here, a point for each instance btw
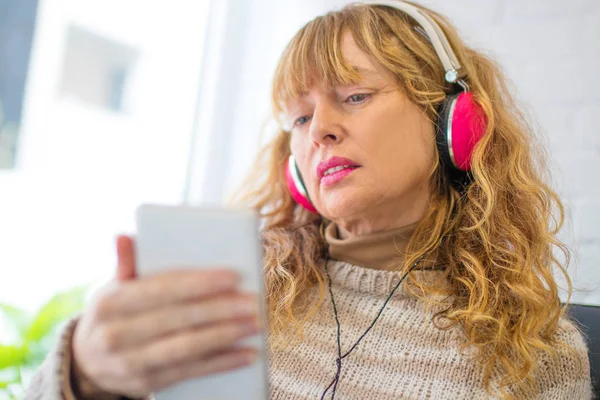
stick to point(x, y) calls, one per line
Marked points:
point(326, 125)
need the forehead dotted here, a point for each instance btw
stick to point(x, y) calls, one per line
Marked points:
point(366, 70)
point(353, 54)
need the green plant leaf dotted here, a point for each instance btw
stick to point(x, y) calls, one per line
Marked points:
point(58, 309)
point(5, 384)
point(11, 356)
point(17, 317)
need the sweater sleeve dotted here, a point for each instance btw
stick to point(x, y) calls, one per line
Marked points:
point(568, 377)
point(52, 381)
point(47, 382)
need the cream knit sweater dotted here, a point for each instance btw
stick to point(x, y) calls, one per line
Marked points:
point(403, 357)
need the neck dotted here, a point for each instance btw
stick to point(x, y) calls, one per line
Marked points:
point(385, 216)
point(382, 250)
point(357, 228)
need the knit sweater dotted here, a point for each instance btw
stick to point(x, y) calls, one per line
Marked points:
point(404, 356)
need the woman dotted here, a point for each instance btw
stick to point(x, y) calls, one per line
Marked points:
point(381, 116)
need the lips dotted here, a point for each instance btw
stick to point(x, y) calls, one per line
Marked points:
point(335, 165)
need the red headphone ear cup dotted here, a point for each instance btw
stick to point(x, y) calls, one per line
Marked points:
point(462, 124)
point(296, 186)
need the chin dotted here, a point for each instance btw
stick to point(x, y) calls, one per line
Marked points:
point(343, 205)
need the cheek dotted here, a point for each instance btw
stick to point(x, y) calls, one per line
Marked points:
point(297, 149)
point(406, 156)
point(303, 158)
point(425, 146)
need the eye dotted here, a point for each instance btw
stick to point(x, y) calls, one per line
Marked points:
point(357, 98)
point(302, 120)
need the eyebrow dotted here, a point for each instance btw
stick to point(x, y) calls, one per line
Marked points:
point(365, 72)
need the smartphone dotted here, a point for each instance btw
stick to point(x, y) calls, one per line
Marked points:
point(195, 237)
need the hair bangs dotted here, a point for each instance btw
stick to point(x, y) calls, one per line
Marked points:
point(312, 58)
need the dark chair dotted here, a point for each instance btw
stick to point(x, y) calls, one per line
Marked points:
point(589, 319)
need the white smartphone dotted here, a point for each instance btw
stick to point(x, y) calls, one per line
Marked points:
point(182, 236)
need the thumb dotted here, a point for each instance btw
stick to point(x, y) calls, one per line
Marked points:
point(125, 258)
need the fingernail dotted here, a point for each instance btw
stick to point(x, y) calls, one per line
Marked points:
point(251, 357)
point(246, 308)
point(247, 358)
point(250, 327)
point(229, 280)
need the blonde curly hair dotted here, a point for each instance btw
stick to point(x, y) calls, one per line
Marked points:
point(500, 231)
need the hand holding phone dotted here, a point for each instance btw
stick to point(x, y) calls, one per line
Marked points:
point(144, 335)
point(200, 239)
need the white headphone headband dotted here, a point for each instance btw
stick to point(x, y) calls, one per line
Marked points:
point(434, 32)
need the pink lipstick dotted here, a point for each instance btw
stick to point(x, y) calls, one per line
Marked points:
point(335, 169)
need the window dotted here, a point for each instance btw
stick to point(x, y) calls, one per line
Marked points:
point(96, 69)
point(109, 101)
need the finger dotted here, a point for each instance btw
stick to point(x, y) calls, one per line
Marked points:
point(221, 362)
point(185, 316)
point(190, 345)
point(164, 289)
point(125, 258)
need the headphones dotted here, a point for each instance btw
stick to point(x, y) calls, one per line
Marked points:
point(461, 123)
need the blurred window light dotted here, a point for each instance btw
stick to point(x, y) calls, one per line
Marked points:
point(96, 69)
point(109, 101)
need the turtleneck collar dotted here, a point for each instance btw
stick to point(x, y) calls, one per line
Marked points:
point(382, 250)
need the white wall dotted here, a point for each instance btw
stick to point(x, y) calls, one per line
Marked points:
point(82, 170)
point(550, 49)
